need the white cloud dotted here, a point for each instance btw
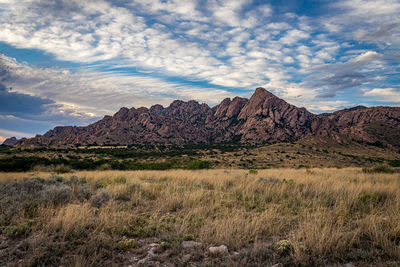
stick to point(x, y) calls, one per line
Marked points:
point(371, 8)
point(368, 20)
point(228, 11)
point(225, 43)
point(384, 94)
point(98, 30)
point(288, 60)
point(294, 36)
point(366, 57)
point(92, 94)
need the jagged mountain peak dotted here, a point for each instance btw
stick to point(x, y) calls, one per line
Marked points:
point(264, 118)
point(262, 92)
point(260, 103)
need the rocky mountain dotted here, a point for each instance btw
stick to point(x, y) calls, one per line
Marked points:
point(376, 125)
point(264, 118)
point(12, 141)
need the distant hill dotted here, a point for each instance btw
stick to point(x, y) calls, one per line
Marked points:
point(12, 141)
point(264, 118)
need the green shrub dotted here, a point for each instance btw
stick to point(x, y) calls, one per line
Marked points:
point(303, 166)
point(253, 171)
point(284, 247)
point(379, 169)
point(188, 237)
point(104, 167)
point(15, 231)
point(289, 182)
point(198, 164)
point(165, 244)
point(127, 244)
point(62, 169)
point(194, 220)
point(394, 163)
point(120, 180)
point(368, 197)
point(101, 183)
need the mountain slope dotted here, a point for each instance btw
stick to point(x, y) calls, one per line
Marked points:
point(264, 118)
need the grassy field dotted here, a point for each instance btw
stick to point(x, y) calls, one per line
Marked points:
point(300, 217)
point(305, 154)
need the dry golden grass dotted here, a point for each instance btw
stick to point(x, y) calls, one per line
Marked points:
point(327, 216)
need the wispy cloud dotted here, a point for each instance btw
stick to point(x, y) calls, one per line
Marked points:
point(384, 94)
point(7, 133)
point(91, 94)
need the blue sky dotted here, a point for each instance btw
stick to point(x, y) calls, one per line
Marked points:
point(72, 62)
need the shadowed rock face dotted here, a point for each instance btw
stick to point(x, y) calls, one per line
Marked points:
point(10, 141)
point(264, 118)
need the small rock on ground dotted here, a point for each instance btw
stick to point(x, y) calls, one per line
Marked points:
point(155, 247)
point(186, 258)
point(190, 244)
point(218, 250)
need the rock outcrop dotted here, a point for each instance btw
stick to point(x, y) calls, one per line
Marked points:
point(13, 141)
point(264, 118)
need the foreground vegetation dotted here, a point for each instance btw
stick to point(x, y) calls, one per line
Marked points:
point(305, 154)
point(291, 216)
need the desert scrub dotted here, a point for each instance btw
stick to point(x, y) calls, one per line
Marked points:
point(284, 247)
point(127, 244)
point(100, 198)
point(379, 169)
point(25, 197)
point(62, 169)
point(296, 217)
point(198, 164)
point(14, 231)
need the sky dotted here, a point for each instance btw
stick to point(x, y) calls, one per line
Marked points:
point(72, 62)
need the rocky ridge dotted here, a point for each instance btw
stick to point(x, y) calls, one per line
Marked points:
point(264, 118)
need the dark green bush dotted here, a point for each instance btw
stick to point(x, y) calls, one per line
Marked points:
point(379, 169)
point(394, 163)
point(188, 237)
point(197, 164)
